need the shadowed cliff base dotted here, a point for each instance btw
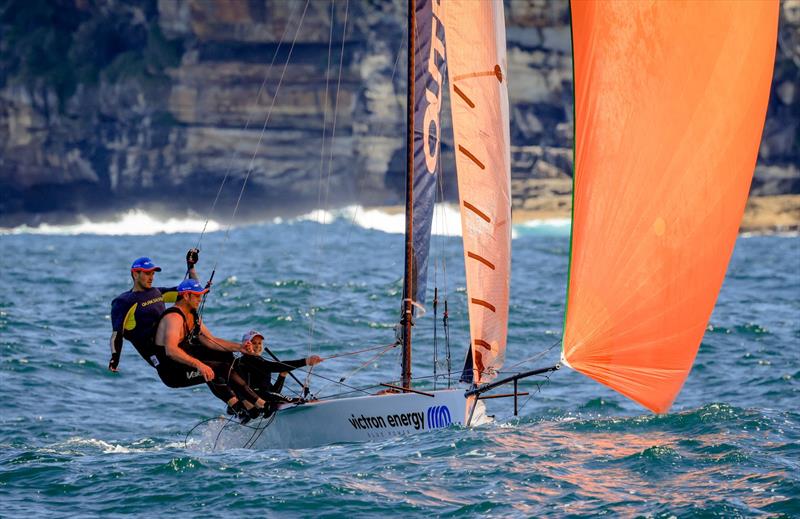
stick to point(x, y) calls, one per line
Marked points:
point(115, 105)
point(78, 203)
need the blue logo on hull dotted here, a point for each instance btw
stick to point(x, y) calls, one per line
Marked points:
point(438, 417)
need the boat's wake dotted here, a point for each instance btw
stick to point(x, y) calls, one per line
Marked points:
point(225, 433)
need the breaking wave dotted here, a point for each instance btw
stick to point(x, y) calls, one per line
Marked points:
point(136, 222)
point(392, 220)
point(132, 223)
point(446, 221)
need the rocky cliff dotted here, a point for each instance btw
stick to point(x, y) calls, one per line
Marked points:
point(109, 104)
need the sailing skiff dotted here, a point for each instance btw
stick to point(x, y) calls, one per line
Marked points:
point(670, 101)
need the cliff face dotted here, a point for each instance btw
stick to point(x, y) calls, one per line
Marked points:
point(108, 105)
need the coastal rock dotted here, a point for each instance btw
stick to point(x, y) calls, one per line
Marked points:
point(156, 102)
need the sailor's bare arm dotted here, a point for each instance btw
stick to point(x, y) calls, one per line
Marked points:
point(169, 334)
point(210, 341)
point(191, 258)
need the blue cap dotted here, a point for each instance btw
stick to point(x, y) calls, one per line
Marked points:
point(191, 285)
point(145, 264)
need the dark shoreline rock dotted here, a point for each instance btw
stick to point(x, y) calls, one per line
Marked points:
point(152, 103)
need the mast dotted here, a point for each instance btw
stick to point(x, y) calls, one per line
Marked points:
point(408, 286)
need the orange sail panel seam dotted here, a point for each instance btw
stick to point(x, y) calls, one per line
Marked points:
point(477, 211)
point(485, 73)
point(483, 303)
point(483, 344)
point(481, 259)
point(463, 96)
point(472, 157)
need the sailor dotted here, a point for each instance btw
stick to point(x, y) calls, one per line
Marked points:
point(186, 353)
point(257, 371)
point(135, 313)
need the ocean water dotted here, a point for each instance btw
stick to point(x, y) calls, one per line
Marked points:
point(76, 440)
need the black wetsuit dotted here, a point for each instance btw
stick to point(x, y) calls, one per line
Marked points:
point(257, 372)
point(134, 316)
point(226, 384)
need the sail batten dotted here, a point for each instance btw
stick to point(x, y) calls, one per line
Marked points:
point(476, 61)
point(666, 137)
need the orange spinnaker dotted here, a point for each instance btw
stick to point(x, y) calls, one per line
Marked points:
point(670, 100)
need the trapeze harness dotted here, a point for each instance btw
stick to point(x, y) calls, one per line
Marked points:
point(226, 384)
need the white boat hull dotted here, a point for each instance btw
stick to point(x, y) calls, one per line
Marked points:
point(358, 419)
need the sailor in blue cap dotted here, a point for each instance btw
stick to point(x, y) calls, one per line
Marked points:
point(187, 353)
point(135, 313)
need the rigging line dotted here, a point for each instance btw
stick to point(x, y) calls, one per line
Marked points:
point(441, 240)
point(356, 352)
point(186, 438)
point(539, 386)
point(325, 188)
point(307, 382)
point(235, 155)
point(318, 232)
point(349, 234)
point(255, 431)
point(534, 357)
point(251, 165)
point(325, 115)
point(332, 380)
point(374, 386)
point(363, 365)
point(399, 52)
point(336, 108)
point(442, 218)
point(232, 422)
point(261, 428)
point(363, 389)
point(231, 369)
point(216, 440)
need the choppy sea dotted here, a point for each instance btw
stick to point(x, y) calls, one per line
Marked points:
point(77, 440)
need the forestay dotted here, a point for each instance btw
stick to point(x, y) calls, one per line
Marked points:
point(477, 70)
point(670, 99)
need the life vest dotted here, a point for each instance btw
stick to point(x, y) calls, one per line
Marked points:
point(189, 341)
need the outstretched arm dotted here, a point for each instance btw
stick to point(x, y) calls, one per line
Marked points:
point(208, 340)
point(192, 257)
point(171, 293)
point(283, 367)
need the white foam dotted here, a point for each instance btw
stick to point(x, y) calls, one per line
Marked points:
point(446, 219)
point(134, 223)
point(446, 222)
point(78, 443)
point(539, 227)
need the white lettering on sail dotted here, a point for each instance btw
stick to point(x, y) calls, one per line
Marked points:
point(434, 99)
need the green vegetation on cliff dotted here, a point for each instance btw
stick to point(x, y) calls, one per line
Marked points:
point(61, 44)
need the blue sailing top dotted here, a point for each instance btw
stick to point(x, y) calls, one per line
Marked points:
point(134, 315)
